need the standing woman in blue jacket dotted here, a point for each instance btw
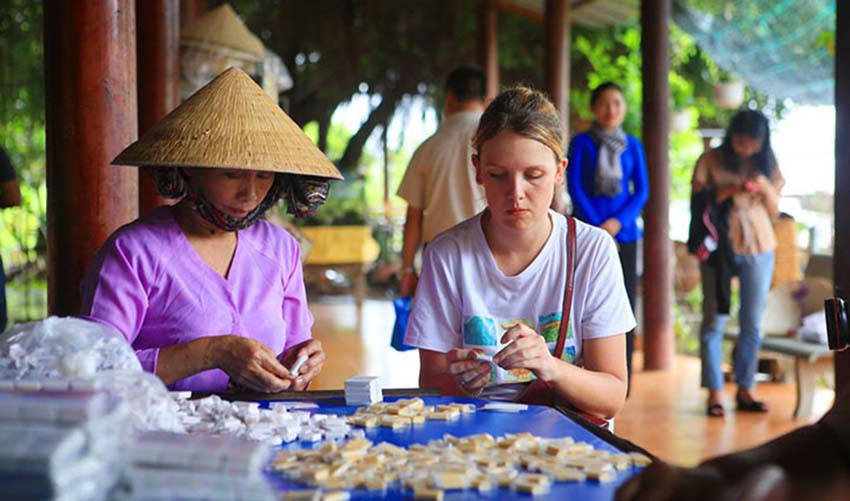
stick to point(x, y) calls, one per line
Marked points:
point(608, 183)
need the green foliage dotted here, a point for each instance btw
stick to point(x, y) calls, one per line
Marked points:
point(826, 39)
point(22, 87)
point(521, 43)
point(22, 229)
point(603, 55)
point(686, 320)
point(337, 137)
point(685, 148)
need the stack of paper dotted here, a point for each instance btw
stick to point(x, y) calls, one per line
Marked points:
point(363, 390)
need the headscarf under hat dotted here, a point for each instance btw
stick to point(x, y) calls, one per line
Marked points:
point(231, 123)
point(303, 196)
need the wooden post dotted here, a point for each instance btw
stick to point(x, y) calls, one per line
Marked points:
point(488, 46)
point(841, 250)
point(90, 108)
point(658, 256)
point(158, 36)
point(557, 22)
point(191, 10)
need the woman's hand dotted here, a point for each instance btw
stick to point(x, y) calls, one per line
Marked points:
point(408, 283)
point(470, 374)
point(249, 363)
point(526, 349)
point(312, 348)
point(612, 226)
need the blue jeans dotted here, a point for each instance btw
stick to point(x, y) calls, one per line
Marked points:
point(755, 273)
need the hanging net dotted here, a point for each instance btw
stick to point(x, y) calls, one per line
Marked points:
point(783, 48)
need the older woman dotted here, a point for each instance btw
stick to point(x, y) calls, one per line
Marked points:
point(207, 292)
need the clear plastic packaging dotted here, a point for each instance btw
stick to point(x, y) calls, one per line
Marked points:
point(150, 403)
point(63, 347)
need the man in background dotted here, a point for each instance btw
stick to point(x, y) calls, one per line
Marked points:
point(10, 196)
point(439, 184)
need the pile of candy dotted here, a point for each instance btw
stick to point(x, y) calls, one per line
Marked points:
point(282, 422)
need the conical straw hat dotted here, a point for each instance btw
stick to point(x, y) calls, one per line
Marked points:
point(222, 27)
point(229, 123)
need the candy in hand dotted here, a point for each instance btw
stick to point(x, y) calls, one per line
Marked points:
point(297, 365)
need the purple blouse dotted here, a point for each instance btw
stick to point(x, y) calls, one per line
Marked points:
point(148, 282)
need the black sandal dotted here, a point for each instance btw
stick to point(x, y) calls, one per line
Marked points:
point(751, 406)
point(715, 410)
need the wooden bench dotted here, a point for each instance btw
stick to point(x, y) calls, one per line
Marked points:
point(810, 361)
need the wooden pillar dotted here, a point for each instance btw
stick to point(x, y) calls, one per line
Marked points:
point(488, 46)
point(841, 250)
point(191, 10)
point(658, 256)
point(158, 37)
point(557, 22)
point(90, 108)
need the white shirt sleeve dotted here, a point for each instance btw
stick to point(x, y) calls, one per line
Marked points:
point(436, 321)
point(606, 310)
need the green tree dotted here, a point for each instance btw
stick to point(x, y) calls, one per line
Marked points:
point(22, 229)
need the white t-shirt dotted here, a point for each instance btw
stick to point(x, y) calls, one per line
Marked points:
point(464, 300)
point(440, 179)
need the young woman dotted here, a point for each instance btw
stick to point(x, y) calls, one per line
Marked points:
point(608, 183)
point(495, 284)
point(743, 172)
point(209, 294)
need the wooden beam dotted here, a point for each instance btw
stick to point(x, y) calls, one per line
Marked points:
point(526, 12)
point(841, 250)
point(657, 325)
point(158, 40)
point(90, 108)
point(534, 13)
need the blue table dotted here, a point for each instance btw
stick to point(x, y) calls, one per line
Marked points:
point(541, 421)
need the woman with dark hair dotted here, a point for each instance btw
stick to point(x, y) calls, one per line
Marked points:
point(743, 174)
point(208, 293)
point(608, 183)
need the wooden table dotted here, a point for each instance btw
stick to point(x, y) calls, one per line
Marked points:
point(541, 421)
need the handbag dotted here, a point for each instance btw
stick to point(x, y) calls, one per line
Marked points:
point(538, 392)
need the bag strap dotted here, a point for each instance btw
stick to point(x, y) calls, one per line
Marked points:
point(568, 290)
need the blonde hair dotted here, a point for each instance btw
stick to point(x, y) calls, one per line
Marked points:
point(526, 112)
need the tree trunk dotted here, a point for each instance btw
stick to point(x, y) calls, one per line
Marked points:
point(324, 127)
point(380, 115)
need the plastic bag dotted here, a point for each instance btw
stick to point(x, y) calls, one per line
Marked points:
point(63, 347)
point(402, 311)
point(813, 328)
point(151, 405)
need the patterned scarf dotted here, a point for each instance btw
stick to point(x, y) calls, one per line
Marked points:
point(223, 221)
point(303, 196)
point(608, 180)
